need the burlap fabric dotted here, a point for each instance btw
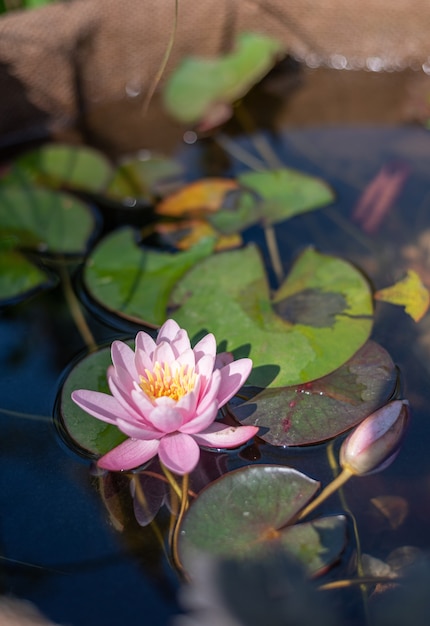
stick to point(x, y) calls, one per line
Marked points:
point(61, 65)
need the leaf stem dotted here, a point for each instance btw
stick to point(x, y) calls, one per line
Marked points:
point(75, 309)
point(325, 493)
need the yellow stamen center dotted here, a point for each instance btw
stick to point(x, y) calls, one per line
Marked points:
point(162, 382)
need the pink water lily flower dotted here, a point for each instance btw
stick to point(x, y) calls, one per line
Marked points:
point(165, 398)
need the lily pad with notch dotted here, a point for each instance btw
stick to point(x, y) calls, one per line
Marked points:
point(228, 294)
point(323, 408)
point(251, 510)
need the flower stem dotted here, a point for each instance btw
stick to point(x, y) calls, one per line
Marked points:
point(182, 511)
point(325, 493)
point(173, 482)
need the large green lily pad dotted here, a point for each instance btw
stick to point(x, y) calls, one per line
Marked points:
point(86, 432)
point(318, 319)
point(251, 510)
point(133, 281)
point(198, 84)
point(321, 409)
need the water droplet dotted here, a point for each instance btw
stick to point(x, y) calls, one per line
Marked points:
point(190, 137)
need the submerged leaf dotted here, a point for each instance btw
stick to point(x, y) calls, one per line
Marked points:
point(248, 510)
point(323, 408)
point(408, 292)
point(228, 294)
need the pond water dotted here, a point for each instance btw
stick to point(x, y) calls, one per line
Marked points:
point(60, 548)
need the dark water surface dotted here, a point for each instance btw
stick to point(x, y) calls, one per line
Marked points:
point(58, 545)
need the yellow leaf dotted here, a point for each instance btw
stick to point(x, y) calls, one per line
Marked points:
point(198, 198)
point(408, 292)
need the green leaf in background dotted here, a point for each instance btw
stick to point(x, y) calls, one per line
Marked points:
point(89, 433)
point(246, 511)
point(133, 281)
point(270, 197)
point(140, 177)
point(199, 84)
point(44, 220)
point(59, 165)
point(319, 318)
point(19, 276)
point(324, 408)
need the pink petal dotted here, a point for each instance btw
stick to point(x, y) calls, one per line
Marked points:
point(138, 431)
point(129, 454)
point(206, 345)
point(187, 358)
point(181, 343)
point(164, 353)
point(188, 403)
point(143, 361)
point(100, 405)
point(210, 392)
point(223, 358)
point(202, 421)
point(142, 401)
point(205, 366)
point(179, 453)
point(219, 435)
point(168, 331)
point(145, 343)
point(123, 358)
point(165, 416)
point(233, 376)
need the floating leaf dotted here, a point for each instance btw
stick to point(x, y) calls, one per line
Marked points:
point(327, 304)
point(45, 220)
point(245, 511)
point(19, 276)
point(197, 198)
point(59, 165)
point(271, 196)
point(408, 292)
point(133, 281)
point(326, 407)
point(198, 84)
point(88, 433)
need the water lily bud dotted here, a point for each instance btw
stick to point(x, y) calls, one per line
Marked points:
point(375, 443)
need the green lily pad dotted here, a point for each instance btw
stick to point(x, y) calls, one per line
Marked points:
point(270, 197)
point(44, 221)
point(19, 277)
point(323, 408)
point(228, 294)
point(248, 511)
point(133, 281)
point(86, 432)
point(59, 165)
point(198, 84)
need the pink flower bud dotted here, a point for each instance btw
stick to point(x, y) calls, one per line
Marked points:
point(375, 443)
